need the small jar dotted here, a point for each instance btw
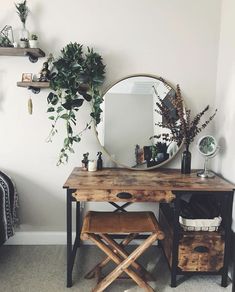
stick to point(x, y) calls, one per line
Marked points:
point(92, 165)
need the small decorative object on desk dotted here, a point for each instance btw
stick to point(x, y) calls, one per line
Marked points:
point(99, 161)
point(207, 146)
point(85, 161)
point(185, 128)
point(92, 165)
point(23, 11)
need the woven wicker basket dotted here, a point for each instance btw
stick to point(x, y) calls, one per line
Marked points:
point(200, 224)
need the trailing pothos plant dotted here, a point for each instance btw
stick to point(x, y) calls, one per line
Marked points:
point(75, 79)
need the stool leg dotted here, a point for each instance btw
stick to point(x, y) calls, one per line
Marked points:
point(125, 241)
point(123, 265)
point(124, 254)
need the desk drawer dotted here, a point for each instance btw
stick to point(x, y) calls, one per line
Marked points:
point(201, 251)
point(123, 196)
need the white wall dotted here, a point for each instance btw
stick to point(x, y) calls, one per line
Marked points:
point(177, 40)
point(225, 101)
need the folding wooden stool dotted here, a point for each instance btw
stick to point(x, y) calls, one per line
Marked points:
point(98, 227)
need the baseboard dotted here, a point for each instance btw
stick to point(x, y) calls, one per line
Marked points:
point(47, 238)
point(38, 238)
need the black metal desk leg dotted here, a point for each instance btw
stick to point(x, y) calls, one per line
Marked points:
point(69, 238)
point(233, 250)
point(78, 223)
point(227, 218)
point(175, 241)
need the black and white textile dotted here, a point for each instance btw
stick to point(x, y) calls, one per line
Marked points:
point(8, 205)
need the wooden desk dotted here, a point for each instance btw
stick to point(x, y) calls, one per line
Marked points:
point(162, 185)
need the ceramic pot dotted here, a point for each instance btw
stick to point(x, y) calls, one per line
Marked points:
point(23, 44)
point(33, 44)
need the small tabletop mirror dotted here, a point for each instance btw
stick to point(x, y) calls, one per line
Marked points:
point(128, 132)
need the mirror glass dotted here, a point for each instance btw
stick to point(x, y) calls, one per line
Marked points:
point(128, 131)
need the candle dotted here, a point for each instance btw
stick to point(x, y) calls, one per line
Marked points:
point(92, 165)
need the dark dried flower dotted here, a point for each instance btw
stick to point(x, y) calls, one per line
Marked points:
point(185, 128)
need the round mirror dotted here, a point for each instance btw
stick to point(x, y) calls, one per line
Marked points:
point(207, 146)
point(128, 131)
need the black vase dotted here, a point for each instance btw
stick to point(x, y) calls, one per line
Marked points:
point(186, 162)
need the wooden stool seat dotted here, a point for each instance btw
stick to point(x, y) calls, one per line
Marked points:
point(98, 225)
point(120, 223)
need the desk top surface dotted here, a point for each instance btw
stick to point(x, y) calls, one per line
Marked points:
point(160, 179)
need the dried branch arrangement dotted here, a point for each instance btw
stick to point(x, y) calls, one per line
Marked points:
point(184, 127)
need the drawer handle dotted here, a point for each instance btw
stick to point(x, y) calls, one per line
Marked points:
point(124, 195)
point(201, 248)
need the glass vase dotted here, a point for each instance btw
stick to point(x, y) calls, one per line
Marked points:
point(23, 33)
point(186, 162)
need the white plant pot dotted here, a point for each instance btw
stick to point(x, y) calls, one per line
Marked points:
point(23, 44)
point(33, 44)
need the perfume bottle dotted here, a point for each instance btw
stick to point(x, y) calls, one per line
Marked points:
point(99, 161)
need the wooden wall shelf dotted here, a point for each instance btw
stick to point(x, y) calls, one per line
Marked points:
point(33, 54)
point(35, 86)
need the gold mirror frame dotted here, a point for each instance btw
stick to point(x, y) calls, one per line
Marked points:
point(107, 152)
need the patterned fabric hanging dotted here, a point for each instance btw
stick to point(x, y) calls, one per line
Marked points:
point(8, 206)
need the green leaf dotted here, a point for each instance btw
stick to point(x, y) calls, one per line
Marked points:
point(70, 130)
point(50, 97)
point(65, 116)
point(54, 100)
point(71, 150)
point(51, 118)
point(50, 109)
point(59, 109)
point(77, 102)
point(66, 142)
point(76, 138)
point(86, 96)
point(67, 105)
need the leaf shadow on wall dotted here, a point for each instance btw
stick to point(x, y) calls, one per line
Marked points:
point(221, 153)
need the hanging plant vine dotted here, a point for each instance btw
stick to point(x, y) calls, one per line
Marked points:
point(76, 78)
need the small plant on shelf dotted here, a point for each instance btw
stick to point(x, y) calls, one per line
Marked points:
point(33, 41)
point(23, 43)
point(75, 79)
point(22, 10)
point(34, 37)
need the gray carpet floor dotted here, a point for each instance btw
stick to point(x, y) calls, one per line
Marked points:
point(43, 269)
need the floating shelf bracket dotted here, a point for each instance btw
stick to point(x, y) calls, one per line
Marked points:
point(32, 57)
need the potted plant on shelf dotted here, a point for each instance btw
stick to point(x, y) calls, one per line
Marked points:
point(23, 10)
point(23, 43)
point(185, 128)
point(75, 79)
point(33, 41)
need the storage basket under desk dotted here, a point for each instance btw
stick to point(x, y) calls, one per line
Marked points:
point(199, 251)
